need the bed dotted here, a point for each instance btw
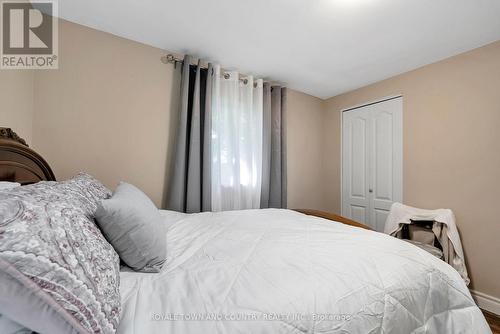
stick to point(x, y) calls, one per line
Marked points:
point(268, 271)
point(281, 271)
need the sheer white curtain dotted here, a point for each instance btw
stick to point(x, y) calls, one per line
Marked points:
point(237, 108)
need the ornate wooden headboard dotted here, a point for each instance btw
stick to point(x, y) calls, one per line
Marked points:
point(19, 163)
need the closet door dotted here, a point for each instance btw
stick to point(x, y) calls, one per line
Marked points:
point(355, 165)
point(372, 162)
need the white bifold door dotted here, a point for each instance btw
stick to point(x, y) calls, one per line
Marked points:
point(372, 161)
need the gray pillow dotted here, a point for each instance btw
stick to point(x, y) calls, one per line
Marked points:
point(134, 226)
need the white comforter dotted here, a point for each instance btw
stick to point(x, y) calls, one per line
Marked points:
point(279, 271)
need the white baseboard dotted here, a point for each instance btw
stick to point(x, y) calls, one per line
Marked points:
point(486, 302)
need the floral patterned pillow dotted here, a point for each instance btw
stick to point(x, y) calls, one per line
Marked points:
point(48, 237)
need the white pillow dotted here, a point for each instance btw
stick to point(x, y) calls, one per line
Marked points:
point(8, 326)
point(8, 185)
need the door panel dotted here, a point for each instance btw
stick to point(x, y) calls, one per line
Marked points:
point(355, 162)
point(372, 161)
point(383, 156)
point(380, 218)
point(359, 214)
point(358, 158)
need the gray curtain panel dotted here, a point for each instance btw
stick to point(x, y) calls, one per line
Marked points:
point(207, 144)
point(274, 172)
point(189, 189)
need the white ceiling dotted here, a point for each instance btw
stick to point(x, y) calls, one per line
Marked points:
point(320, 47)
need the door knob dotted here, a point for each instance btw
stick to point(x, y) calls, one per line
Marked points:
point(370, 190)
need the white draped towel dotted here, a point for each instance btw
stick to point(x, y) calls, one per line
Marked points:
point(444, 229)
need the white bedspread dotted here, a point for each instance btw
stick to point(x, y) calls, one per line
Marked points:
point(279, 271)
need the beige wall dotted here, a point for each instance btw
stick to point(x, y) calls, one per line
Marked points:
point(16, 96)
point(305, 151)
point(108, 111)
point(451, 148)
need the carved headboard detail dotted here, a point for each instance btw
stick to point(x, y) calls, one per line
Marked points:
point(19, 163)
point(7, 133)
